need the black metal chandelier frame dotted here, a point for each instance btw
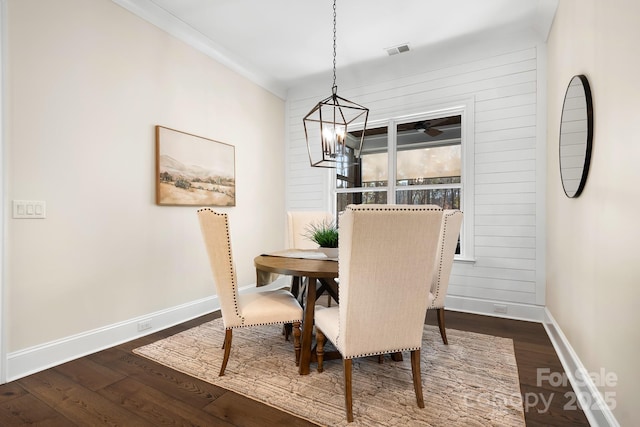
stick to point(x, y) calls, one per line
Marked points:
point(331, 118)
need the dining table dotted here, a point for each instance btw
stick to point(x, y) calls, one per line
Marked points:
point(321, 273)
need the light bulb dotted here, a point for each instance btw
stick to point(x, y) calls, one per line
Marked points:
point(332, 134)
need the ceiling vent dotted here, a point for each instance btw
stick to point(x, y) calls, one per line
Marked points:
point(397, 49)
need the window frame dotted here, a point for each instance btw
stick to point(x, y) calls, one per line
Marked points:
point(462, 107)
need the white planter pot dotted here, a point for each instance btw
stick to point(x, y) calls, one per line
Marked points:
point(329, 252)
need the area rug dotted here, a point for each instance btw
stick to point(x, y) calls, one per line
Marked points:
point(473, 381)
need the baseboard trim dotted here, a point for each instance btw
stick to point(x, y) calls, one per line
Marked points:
point(591, 400)
point(38, 358)
point(517, 311)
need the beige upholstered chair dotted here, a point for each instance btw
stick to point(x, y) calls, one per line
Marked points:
point(243, 310)
point(447, 243)
point(385, 279)
point(298, 222)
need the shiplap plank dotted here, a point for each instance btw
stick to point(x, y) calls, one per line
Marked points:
point(506, 285)
point(302, 173)
point(506, 242)
point(492, 294)
point(506, 134)
point(299, 165)
point(502, 219)
point(302, 205)
point(505, 145)
point(505, 231)
point(502, 177)
point(513, 165)
point(505, 156)
point(509, 123)
point(496, 273)
point(511, 187)
point(505, 199)
point(305, 180)
point(509, 263)
point(510, 209)
point(509, 252)
point(506, 102)
point(299, 194)
point(505, 113)
point(499, 92)
point(299, 157)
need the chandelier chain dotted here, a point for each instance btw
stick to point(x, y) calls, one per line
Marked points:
point(335, 88)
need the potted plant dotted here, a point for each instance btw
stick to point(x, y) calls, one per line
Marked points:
point(325, 234)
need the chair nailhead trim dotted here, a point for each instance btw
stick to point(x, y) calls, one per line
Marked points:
point(384, 352)
point(265, 324)
point(391, 208)
point(444, 233)
point(234, 285)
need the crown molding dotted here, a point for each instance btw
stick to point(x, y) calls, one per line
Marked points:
point(152, 13)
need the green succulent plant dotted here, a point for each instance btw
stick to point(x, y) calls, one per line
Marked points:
point(324, 233)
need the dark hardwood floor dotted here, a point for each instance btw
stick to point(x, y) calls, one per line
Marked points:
point(117, 388)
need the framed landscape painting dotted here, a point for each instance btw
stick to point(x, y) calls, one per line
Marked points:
point(193, 171)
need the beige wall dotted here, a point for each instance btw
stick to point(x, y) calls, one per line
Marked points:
point(87, 82)
point(593, 267)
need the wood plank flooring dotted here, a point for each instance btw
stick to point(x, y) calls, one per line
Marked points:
point(117, 388)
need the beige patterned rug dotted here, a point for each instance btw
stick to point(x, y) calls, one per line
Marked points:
point(471, 382)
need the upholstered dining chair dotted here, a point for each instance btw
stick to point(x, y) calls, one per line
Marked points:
point(385, 280)
point(447, 243)
point(298, 223)
point(243, 310)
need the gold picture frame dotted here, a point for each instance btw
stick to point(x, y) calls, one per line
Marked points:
point(193, 171)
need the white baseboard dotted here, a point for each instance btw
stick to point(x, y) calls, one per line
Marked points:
point(532, 313)
point(38, 358)
point(593, 403)
point(34, 359)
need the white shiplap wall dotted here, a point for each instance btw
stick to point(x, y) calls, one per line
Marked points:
point(508, 229)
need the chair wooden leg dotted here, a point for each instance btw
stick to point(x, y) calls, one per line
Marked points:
point(295, 286)
point(227, 350)
point(286, 331)
point(295, 290)
point(417, 380)
point(443, 333)
point(296, 341)
point(348, 400)
point(320, 339)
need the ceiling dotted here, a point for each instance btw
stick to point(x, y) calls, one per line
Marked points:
point(277, 43)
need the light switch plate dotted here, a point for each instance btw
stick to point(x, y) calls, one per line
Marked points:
point(29, 209)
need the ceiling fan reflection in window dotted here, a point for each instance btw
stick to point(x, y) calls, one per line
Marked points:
point(432, 127)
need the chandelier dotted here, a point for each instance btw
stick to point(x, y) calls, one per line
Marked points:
point(326, 126)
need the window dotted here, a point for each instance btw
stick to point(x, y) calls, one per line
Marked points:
point(417, 160)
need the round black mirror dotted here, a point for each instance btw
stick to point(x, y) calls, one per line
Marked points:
point(576, 136)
